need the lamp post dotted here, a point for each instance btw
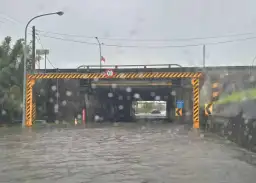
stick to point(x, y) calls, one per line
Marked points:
point(60, 13)
point(100, 50)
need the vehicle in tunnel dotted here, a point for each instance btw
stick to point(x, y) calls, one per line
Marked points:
point(155, 111)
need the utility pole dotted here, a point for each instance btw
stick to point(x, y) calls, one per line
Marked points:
point(99, 50)
point(44, 52)
point(204, 56)
point(33, 49)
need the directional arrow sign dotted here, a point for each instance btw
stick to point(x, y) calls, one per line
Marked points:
point(208, 109)
point(178, 112)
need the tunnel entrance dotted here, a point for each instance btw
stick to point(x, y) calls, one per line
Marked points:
point(108, 103)
point(150, 110)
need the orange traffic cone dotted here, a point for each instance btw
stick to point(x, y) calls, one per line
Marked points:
point(75, 121)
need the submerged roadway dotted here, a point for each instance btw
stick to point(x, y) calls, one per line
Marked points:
point(121, 153)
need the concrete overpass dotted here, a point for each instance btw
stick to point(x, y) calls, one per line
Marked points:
point(86, 87)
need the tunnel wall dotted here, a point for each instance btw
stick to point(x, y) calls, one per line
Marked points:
point(61, 108)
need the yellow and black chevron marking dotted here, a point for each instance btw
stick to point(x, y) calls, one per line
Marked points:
point(29, 101)
point(195, 83)
point(215, 91)
point(29, 98)
point(117, 75)
point(33, 112)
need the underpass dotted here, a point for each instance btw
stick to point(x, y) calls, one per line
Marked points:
point(119, 152)
point(110, 98)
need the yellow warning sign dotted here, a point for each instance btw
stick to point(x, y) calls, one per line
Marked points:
point(178, 112)
point(208, 109)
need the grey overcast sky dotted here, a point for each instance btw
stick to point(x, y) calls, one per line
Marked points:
point(123, 21)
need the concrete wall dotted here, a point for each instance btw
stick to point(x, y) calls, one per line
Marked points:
point(236, 122)
point(66, 105)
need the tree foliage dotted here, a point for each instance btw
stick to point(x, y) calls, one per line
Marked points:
point(11, 78)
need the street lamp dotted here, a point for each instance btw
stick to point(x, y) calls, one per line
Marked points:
point(99, 50)
point(60, 13)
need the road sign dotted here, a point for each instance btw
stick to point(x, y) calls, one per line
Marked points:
point(109, 73)
point(180, 104)
point(208, 109)
point(42, 52)
point(178, 112)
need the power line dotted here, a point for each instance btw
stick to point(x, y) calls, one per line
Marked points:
point(147, 40)
point(12, 20)
point(156, 47)
point(48, 60)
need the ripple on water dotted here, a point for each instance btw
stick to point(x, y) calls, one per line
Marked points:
point(123, 153)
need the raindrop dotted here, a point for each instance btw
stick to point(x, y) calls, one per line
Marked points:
point(157, 98)
point(254, 124)
point(93, 85)
point(40, 108)
point(250, 137)
point(4, 112)
point(141, 75)
point(41, 91)
point(68, 93)
point(79, 116)
point(246, 121)
point(122, 76)
point(57, 94)
point(229, 133)
point(136, 95)
point(51, 100)
point(188, 113)
point(96, 79)
point(128, 89)
point(64, 102)
point(12, 96)
point(245, 133)
point(110, 95)
point(222, 132)
point(120, 107)
point(56, 106)
point(173, 93)
point(113, 85)
point(152, 94)
point(252, 79)
point(128, 97)
point(120, 97)
point(57, 122)
point(54, 88)
point(96, 118)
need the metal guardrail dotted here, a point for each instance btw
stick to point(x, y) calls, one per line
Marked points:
point(128, 66)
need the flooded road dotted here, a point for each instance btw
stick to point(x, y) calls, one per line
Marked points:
point(124, 153)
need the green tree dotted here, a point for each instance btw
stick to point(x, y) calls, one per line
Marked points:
point(11, 78)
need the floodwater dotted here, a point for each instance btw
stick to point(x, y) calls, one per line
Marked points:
point(121, 153)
